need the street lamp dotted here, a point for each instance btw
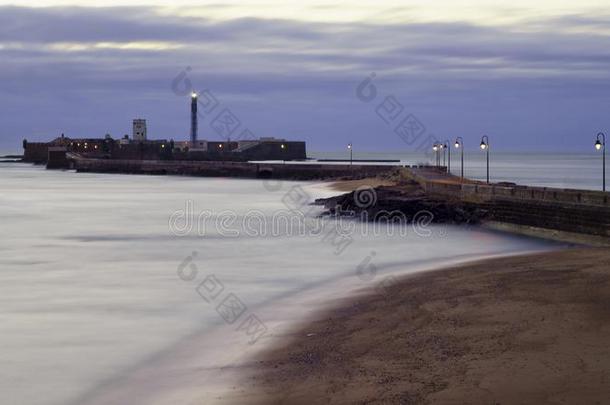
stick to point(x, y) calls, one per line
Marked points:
point(351, 153)
point(600, 144)
point(442, 147)
point(459, 144)
point(485, 147)
point(435, 148)
point(283, 147)
point(446, 146)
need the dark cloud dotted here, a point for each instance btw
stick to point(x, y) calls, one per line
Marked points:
point(289, 77)
point(124, 24)
point(297, 44)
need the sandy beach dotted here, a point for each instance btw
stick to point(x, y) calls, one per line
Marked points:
point(517, 330)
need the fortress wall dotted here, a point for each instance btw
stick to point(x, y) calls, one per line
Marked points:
point(36, 152)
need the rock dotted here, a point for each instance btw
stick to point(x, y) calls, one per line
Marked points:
point(403, 202)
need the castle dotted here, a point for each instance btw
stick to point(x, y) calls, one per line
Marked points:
point(139, 147)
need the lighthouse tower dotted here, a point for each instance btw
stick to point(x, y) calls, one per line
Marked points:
point(193, 118)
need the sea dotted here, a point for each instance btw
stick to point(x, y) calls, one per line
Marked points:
point(145, 289)
point(560, 170)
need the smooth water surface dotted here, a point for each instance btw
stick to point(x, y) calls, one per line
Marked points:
point(89, 287)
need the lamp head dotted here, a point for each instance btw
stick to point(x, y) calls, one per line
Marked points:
point(457, 145)
point(349, 146)
point(193, 95)
point(484, 145)
point(598, 145)
point(282, 146)
point(435, 148)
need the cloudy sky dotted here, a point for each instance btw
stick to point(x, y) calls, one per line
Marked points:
point(533, 77)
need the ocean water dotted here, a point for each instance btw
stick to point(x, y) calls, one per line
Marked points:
point(561, 170)
point(101, 275)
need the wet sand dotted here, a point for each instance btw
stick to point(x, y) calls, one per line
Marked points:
point(519, 330)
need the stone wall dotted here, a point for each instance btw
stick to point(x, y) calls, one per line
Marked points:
point(575, 211)
point(274, 151)
point(228, 169)
point(36, 152)
point(480, 192)
point(57, 158)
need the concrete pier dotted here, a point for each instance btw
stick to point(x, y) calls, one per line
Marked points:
point(562, 214)
point(287, 171)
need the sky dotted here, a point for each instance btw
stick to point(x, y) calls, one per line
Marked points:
point(384, 75)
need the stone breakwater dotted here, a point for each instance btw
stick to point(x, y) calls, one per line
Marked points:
point(567, 214)
point(405, 202)
point(285, 171)
point(574, 216)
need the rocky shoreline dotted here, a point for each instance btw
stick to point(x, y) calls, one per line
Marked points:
point(404, 201)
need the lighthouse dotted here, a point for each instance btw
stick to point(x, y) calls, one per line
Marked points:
point(193, 118)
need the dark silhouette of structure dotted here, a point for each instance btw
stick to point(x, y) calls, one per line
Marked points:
point(194, 118)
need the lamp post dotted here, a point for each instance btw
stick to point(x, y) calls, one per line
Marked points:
point(459, 144)
point(448, 148)
point(351, 154)
point(283, 147)
point(485, 147)
point(600, 144)
point(435, 148)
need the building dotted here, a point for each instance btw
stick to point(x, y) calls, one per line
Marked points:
point(126, 149)
point(141, 148)
point(139, 130)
